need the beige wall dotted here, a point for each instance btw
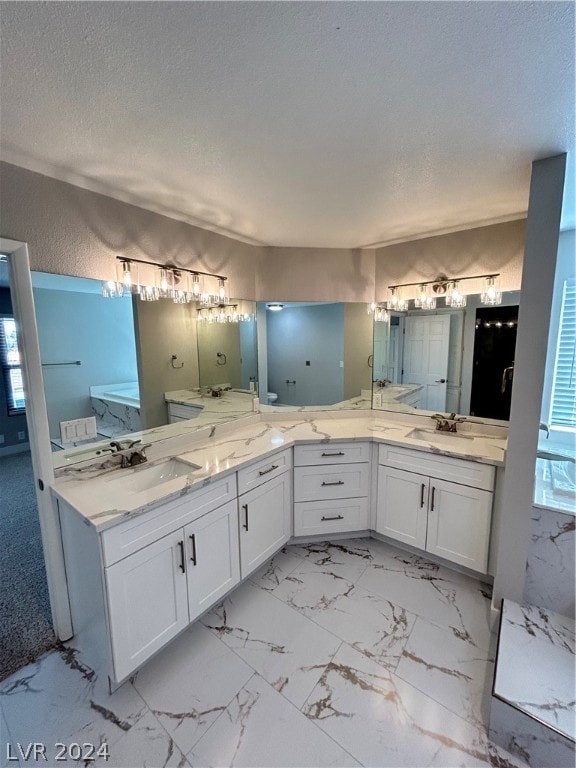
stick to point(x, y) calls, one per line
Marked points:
point(358, 334)
point(73, 231)
point(164, 329)
point(77, 232)
point(315, 274)
point(223, 338)
point(497, 248)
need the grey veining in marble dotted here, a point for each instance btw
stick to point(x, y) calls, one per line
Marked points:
point(268, 685)
point(116, 415)
point(551, 564)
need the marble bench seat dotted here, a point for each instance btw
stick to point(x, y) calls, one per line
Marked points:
point(532, 708)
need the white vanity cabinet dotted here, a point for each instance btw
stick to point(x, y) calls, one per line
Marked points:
point(136, 585)
point(331, 488)
point(439, 504)
point(180, 412)
point(265, 510)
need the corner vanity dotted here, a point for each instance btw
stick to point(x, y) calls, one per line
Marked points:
point(149, 549)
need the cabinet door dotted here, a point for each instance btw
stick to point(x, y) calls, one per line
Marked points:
point(265, 522)
point(401, 510)
point(213, 565)
point(147, 601)
point(459, 524)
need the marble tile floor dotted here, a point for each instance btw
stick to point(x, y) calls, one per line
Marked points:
point(345, 654)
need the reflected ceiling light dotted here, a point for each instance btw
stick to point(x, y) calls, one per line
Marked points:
point(275, 307)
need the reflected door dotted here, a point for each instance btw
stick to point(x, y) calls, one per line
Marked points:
point(426, 345)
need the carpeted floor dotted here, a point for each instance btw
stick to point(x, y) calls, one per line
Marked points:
point(25, 622)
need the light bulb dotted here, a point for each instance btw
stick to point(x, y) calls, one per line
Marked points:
point(196, 286)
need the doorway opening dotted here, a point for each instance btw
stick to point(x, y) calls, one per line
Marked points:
point(493, 365)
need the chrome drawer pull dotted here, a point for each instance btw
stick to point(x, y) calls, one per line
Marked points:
point(339, 453)
point(336, 517)
point(338, 482)
point(270, 469)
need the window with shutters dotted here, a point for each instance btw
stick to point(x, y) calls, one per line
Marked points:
point(10, 362)
point(563, 400)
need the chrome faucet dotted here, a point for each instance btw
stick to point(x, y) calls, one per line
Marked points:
point(447, 423)
point(136, 457)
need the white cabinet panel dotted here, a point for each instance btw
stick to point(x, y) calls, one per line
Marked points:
point(147, 602)
point(340, 515)
point(265, 521)
point(401, 511)
point(459, 524)
point(213, 564)
point(261, 471)
point(331, 453)
point(332, 482)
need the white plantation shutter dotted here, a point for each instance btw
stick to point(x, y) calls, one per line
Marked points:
point(10, 364)
point(563, 409)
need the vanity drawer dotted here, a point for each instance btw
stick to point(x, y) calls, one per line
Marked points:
point(265, 469)
point(180, 412)
point(126, 538)
point(342, 515)
point(331, 453)
point(332, 482)
point(461, 471)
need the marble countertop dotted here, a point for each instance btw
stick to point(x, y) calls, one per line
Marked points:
point(233, 447)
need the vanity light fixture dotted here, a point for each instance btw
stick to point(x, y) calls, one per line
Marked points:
point(177, 283)
point(381, 315)
point(443, 285)
point(275, 307)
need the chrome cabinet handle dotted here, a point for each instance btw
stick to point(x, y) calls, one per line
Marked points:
point(182, 564)
point(338, 453)
point(338, 482)
point(335, 517)
point(245, 508)
point(423, 488)
point(432, 502)
point(270, 469)
point(193, 540)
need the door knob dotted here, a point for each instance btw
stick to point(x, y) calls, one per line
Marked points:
point(440, 381)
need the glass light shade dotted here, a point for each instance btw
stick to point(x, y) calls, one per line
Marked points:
point(425, 300)
point(371, 308)
point(491, 295)
point(148, 293)
point(222, 295)
point(381, 315)
point(164, 283)
point(111, 289)
point(455, 298)
point(396, 302)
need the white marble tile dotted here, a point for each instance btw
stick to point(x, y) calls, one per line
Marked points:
point(261, 728)
point(60, 699)
point(348, 558)
point(271, 573)
point(190, 684)
point(551, 562)
point(8, 752)
point(383, 721)
point(527, 739)
point(369, 623)
point(448, 670)
point(530, 640)
point(146, 745)
point(283, 646)
point(444, 597)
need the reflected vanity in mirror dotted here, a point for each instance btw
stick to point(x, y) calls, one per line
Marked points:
point(318, 355)
point(447, 360)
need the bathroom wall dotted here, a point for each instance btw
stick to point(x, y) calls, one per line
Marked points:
point(82, 326)
point(300, 334)
point(163, 329)
point(550, 567)
point(9, 425)
point(496, 248)
point(358, 342)
point(223, 338)
point(73, 231)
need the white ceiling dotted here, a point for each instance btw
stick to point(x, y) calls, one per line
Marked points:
point(326, 124)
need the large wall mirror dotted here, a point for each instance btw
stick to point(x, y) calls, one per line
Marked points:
point(448, 360)
point(317, 354)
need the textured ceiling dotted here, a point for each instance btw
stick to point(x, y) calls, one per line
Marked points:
point(329, 124)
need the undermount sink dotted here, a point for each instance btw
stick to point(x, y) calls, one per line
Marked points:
point(436, 435)
point(150, 476)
